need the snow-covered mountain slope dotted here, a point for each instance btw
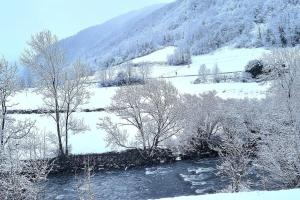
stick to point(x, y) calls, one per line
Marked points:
point(202, 26)
point(264, 195)
point(101, 39)
point(157, 56)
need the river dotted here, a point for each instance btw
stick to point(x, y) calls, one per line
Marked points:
point(167, 180)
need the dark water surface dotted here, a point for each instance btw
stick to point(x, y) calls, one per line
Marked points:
point(168, 180)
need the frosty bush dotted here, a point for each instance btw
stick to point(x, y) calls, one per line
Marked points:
point(255, 68)
point(19, 179)
point(200, 118)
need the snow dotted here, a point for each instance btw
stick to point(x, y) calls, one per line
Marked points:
point(29, 99)
point(182, 23)
point(157, 56)
point(228, 59)
point(92, 141)
point(237, 90)
point(263, 195)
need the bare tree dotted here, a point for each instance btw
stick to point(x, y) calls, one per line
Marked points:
point(235, 157)
point(18, 178)
point(283, 67)
point(203, 73)
point(8, 87)
point(201, 116)
point(279, 149)
point(216, 73)
point(145, 70)
point(46, 59)
point(59, 89)
point(103, 75)
point(151, 109)
point(129, 71)
point(76, 93)
point(278, 155)
point(181, 56)
point(10, 128)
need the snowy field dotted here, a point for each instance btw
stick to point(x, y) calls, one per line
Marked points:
point(228, 59)
point(92, 141)
point(265, 195)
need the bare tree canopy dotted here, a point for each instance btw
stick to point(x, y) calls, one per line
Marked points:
point(62, 87)
point(151, 109)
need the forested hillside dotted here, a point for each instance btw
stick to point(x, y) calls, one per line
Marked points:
point(195, 26)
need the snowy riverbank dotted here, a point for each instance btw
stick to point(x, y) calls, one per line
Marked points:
point(263, 195)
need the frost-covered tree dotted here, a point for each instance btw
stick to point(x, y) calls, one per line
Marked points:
point(61, 89)
point(238, 139)
point(145, 71)
point(279, 149)
point(129, 71)
point(216, 73)
point(18, 178)
point(203, 73)
point(201, 117)
point(151, 109)
point(10, 129)
point(181, 56)
point(234, 156)
point(46, 59)
point(8, 87)
point(76, 93)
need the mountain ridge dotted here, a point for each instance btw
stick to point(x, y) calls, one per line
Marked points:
point(201, 26)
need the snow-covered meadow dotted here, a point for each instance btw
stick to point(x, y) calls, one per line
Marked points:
point(92, 141)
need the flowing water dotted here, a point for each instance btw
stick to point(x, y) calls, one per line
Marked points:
point(168, 180)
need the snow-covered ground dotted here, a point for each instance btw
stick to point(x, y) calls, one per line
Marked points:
point(228, 60)
point(157, 56)
point(264, 195)
point(92, 141)
point(29, 99)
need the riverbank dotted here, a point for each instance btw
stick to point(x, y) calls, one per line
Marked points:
point(123, 160)
point(261, 195)
point(110, 161)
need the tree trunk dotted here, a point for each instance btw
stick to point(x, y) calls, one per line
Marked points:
point(57, 118)
point(66, 129)
point(4, 109)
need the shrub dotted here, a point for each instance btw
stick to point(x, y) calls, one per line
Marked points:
point(255, 68)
